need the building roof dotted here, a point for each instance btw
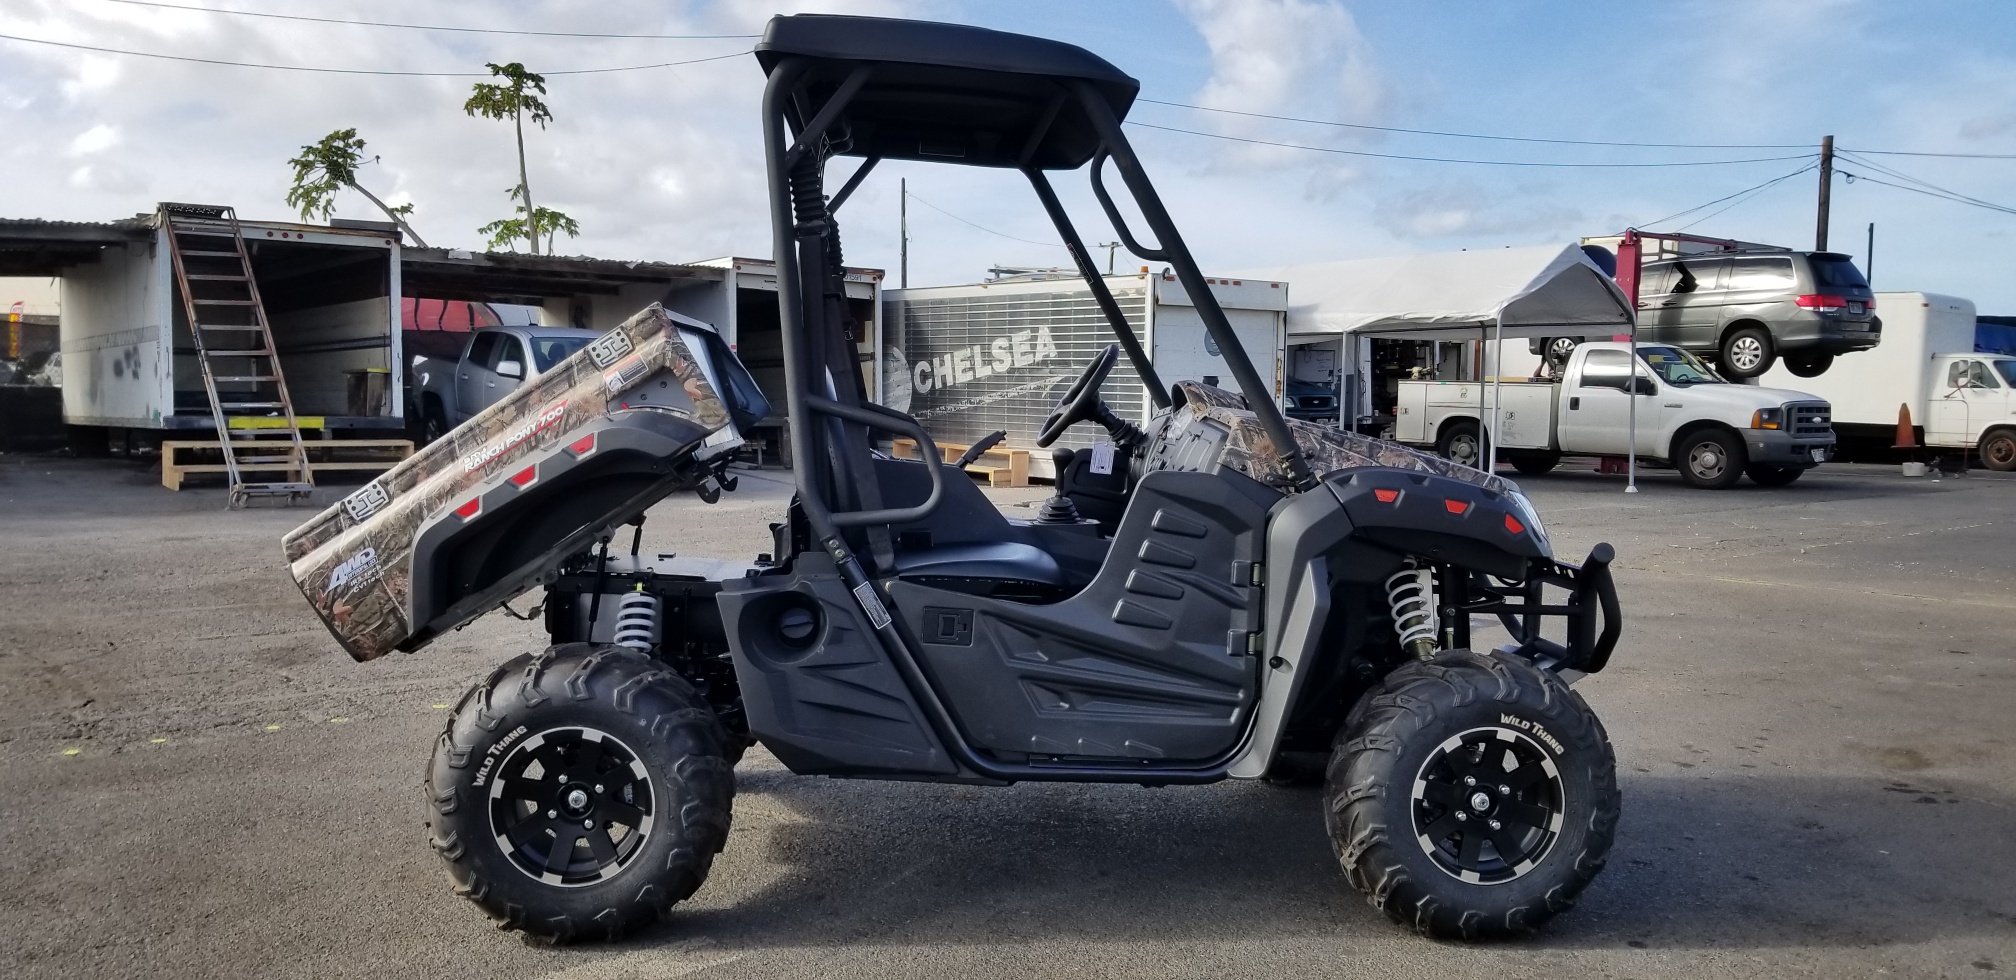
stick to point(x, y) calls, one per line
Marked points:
point(445, 273)
point(40, 247)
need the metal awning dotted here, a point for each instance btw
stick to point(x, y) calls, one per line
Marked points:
point(455, 274)
point(38, 247)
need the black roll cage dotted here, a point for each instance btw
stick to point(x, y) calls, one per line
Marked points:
point(812, 393)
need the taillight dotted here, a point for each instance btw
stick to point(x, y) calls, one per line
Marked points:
point(1869, 304)
point(1822, 302)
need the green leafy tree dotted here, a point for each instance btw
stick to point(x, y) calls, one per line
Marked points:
point(328, 166)
point(516, 99)
point(504, 232)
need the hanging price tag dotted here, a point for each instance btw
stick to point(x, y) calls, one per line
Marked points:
point(1102, 457)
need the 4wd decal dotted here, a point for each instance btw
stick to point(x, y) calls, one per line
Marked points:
point(359, 568)
point(366, 501)
point(608, 347)
point(545, 420)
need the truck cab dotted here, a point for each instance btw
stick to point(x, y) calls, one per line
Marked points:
point(1973, 403)
point(494, 362)
point(1687, 415)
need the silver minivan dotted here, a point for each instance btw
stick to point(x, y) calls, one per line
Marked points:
point(1747, 309)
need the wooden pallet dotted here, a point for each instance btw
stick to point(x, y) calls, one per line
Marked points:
point(388, 453)
point(1001, 465)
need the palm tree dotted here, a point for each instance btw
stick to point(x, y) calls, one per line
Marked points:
point(516, 100)
point(325, 167)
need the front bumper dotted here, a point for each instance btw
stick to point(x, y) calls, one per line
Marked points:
point(1784, 449)
point(1594, 619)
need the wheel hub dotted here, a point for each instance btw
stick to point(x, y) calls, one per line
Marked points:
point(1487, 805)
point(571, 806)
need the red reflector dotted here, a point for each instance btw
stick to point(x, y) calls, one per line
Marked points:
point(525, 477)
point(583, 446)
point(470, 509)
point(1455, 506)
point(1386, 496)
point(1512, 524)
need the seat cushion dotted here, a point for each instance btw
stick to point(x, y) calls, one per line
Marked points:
point(1005, 561)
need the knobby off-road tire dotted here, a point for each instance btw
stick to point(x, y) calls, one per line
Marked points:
point(1403, 767)
point(580, 793)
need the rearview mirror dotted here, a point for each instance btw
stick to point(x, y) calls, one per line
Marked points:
point(510, 369)
point(1644, 386)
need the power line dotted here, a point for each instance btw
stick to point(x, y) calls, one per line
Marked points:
point(1943, 197)
point(1710, 204)
point(1487, 163)
point(1928, 185)
point(422, 27)
point(1919, 153)
point(982, 227)
point(356, 71)
point(1478, 136)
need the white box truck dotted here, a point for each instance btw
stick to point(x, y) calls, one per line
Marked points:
point(1957, 399)
point(1712, 431)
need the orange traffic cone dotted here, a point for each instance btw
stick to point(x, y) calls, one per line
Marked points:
point(1906, 439)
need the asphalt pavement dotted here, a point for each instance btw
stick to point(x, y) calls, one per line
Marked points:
point(1812, 709)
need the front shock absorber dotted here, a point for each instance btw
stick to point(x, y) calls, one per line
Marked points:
point(637, 620)
point(1410, 592)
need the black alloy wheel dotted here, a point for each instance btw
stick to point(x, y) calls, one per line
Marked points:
point(580, 792)
point(1487, 805)
point(1472, 796)
point(571, 806)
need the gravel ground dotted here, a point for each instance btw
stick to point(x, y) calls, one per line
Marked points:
point(1811, 708)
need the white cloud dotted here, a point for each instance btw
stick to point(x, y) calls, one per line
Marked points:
point(1286, 57)
point(97, 139)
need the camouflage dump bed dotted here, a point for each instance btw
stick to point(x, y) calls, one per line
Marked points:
point(647, 409)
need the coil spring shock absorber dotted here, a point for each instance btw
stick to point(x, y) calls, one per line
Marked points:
point(1410, 592)
point(637, 620)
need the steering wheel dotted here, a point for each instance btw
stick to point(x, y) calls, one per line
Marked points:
point(1082, 402)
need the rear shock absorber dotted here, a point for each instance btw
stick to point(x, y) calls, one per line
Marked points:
point(1410, 592)
point(637, 620)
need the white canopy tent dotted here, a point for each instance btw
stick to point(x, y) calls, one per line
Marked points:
point(1541, 291)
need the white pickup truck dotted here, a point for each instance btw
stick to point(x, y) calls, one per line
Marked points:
point(1712, 431)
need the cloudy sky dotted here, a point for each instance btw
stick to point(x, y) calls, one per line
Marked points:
point(663, 163)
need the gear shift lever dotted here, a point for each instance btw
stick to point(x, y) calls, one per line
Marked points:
point(1059, 509)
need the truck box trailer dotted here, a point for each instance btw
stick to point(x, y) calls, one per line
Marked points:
point(331, 294)
point(1927, 365)
point(969, 360)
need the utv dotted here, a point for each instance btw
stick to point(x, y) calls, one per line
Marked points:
point(1222, 593)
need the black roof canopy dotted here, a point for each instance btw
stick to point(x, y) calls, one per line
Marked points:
point(947, 93)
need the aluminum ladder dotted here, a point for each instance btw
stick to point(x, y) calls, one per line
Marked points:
point(234, 344)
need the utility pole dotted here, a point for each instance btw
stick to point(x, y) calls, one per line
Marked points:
point(903, 220)
point(1826, 185)
point(1869, 258)
point(1110, 248)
